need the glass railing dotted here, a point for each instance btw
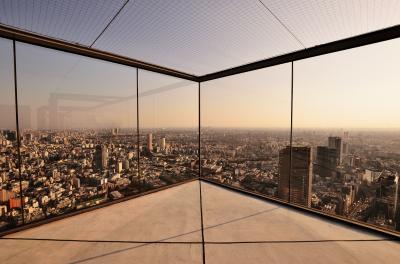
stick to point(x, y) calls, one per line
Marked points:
point(321, 133)
point(81, 143)
point(341, 154)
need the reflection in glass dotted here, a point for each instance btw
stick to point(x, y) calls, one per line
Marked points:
point(10, 199)
point(78, 124)
point(346, 111)
point(168, 129)
point(245, 127)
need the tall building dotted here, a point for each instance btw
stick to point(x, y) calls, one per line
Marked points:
point(326, 162)
point(11, 135)
point(150, 142)
point(284, 173)
point(162, 143)
point(297, 181)
point(101, 157)
point(336, 143)
point(345, 144)
point(345, 149)
point(118, 166)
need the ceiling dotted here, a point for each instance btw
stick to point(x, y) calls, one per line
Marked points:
point(200, 37)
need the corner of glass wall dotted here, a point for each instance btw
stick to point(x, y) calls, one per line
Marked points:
point(10, 198)
point(346, 144)
point(78, 127)
point(168, 129)
point(245, 131)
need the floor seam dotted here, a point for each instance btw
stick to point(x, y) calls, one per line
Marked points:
point(202, 225)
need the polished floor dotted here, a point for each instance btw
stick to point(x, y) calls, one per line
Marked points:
point(165, 227)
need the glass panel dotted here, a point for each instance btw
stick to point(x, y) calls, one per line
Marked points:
point(168, 129)
point(10, 201)
point(246, 129)
point(346, 122)
point(78, 124)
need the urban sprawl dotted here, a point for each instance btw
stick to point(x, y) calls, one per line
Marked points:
point(353, 174)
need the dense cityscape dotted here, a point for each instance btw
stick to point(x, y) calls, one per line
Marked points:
point(354, 175)
point(63, 171)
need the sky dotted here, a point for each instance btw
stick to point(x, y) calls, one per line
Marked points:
point(89, 93)
point(356, 88)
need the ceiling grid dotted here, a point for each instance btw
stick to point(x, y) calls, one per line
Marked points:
point(200, 37)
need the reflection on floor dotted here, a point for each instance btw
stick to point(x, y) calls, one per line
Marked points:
point(165, 227)
point(263, 232)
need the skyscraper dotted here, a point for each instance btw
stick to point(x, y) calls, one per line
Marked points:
point(336, 143)
point(345, 144)
point(297, 181)
point(101, 157)
point(327, 160)
point(150, 142)
point(162, 143)
point(284, 173)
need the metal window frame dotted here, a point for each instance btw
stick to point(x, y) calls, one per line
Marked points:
point(331, 47)
point(339, 45)
point(43, 41)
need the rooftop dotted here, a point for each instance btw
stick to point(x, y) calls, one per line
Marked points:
point(165, 227)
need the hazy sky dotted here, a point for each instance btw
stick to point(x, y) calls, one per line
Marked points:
point(256, 99)
point(83, 84)
point(52, 80)
point(7, 109)
point(357, 88)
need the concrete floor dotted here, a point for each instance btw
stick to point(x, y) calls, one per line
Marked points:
point(232, 217)
point(173, 215)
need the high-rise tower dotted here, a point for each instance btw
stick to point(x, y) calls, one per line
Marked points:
point(162, 143)
point(299, 184)
point(101, 157)
point(150, 142)
point(327, 160)
point(336, 143)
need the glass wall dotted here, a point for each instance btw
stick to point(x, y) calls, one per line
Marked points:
point(78, 125)
point(82, 145)
point(79, 138)
point(10, 201)
point(168, 122)
point(245, 130)
point(346, 129)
